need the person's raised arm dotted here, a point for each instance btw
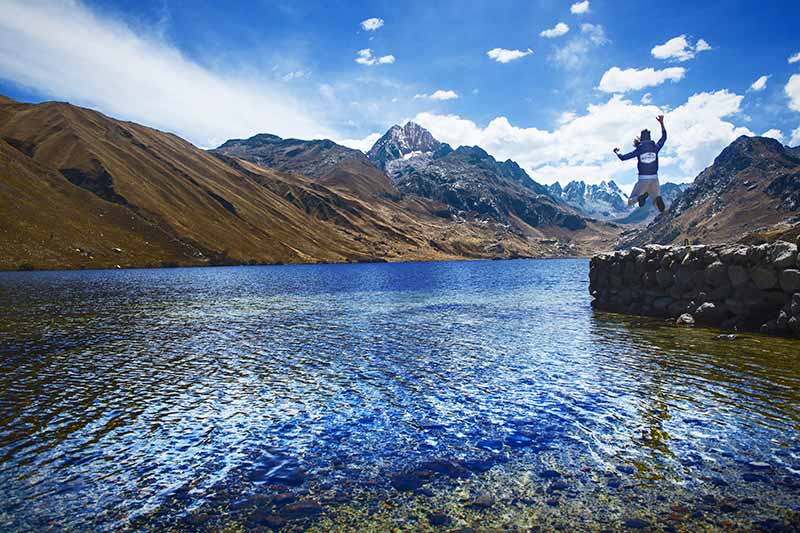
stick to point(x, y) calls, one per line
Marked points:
point(625, 157)
point(663, 139)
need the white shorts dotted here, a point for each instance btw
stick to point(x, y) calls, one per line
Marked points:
point(646, 184)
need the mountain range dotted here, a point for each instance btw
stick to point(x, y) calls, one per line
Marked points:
point(83, 190)
point(606, 201)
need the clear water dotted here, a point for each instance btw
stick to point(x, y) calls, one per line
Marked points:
point(187, 398)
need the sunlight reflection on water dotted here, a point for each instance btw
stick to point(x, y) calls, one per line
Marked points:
point(118, 388)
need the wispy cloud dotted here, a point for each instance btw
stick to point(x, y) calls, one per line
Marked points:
point(556, 31)
point(579, 8)
point(438, 95)
point(64, 50)
point(365, 57)
point(679, 49)
point(501, 55)
point(296, 75)
point(371, 24)
point(616, 80)
point(760, 84)
point(795, 139)
point(574, 54)
point(794, 59)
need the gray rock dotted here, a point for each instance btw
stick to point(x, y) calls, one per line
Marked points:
point(764, 277)
point(717, 274)
point(679, 307)
point(783, 321)
point(710, 312)
point(757, 254)
point(794, 307)
point(783, 255)
point(660, 305)
point(686, 319)
point(663, 278)
point(737, 275)
point(790, 280)
point(794, 325)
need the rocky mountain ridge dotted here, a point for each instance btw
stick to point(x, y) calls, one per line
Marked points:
point(468, 180)
point(606, 201)
point(752, 185)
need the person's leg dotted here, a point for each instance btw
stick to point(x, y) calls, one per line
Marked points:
point(656, 191)
point(637, 191)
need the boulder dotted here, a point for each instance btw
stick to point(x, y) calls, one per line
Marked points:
point(790, 280)
point(782, 323)
point(737, 275)
point(794, 306)
point(716, 274)
point(686, 319)
point(783, 255)
point(764, 277)
point(663, 278)
point(660, 305)
point(710, 312)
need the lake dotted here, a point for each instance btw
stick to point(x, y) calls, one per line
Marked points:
point(377, 397)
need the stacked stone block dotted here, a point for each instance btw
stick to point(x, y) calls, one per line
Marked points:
point(732, 286)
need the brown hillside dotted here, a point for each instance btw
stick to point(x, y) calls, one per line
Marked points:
point(76, 185)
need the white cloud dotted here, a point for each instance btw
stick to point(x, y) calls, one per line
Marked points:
point(444, 95)
point(371, 24)
point(574, 54)
point(366, 57)
point(795, 138)
point(556, 31)
point(360, 144)
point(295, 75)
point(760, 84)
point(438, 95)
point(580, 146)
point(616, 80)
point(64, 50)
point(501, 55)
point(773, 134)
point(795, 58)
point(679, 49)
point(702, 46)
point(579, 8)
point(792, 90)
point(647, 98)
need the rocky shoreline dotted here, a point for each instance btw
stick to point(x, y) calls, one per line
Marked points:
point(731, 286)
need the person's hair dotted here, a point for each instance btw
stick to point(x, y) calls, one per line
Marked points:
point(636, 141)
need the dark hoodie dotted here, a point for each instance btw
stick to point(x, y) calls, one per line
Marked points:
point(647, 153)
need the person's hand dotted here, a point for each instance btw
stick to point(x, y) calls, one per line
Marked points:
point(616, 150)
point(660, 119)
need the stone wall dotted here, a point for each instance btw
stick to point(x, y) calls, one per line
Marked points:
point(746, 287)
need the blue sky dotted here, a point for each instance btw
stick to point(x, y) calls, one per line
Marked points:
point(557, 104)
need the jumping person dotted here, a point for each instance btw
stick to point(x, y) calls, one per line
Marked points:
point(646, 151)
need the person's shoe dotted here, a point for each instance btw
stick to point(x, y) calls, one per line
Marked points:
point(660, 204)
point(642, 199)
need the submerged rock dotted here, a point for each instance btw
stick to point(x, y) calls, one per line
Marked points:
point(482, 501)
